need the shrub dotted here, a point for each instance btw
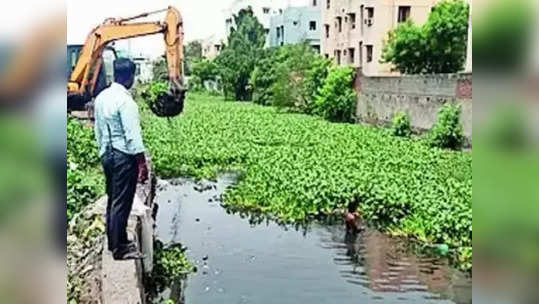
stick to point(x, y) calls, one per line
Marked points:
point(315, 78)
point(447, 133)
point(336, 99)
point(401, 125)
point(205, 70)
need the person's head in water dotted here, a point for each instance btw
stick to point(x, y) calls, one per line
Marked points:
point(352, 206)
point(124, 72)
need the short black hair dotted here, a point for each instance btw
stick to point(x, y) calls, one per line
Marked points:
point(124, 69)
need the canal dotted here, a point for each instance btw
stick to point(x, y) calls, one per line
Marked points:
point(247, 259)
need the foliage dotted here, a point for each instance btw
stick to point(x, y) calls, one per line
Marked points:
point(315, 79)
point(336, 98)
point(85, 184)
point(296, 167)
point(401, 125)
point(160, 70)
point(264, 76)
point(289, 77)
point(192, 54)
point(153, 91)
point(193, 50)
point(84, 181)
point(239, 57)
point(439, 46)
point(203, 70)
point(169, 265)
point(447, 133)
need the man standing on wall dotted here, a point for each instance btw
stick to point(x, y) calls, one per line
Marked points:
point(118, 134)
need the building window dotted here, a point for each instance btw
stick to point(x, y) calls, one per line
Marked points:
point(339, 24)
point(266, 31)
point(327, 30)
point(351, 55)
point(281, 11)
point(295, 23)
point(266, 10)
point(326, 55)
point(370, 16)
point(404, 13)
point(312, 25)
point(315, 3)
point(352, 20)
point(217, 47)
point(338, 56)
point(369, 53)
point(278, 32)
point(316, 48)
point(329, 4)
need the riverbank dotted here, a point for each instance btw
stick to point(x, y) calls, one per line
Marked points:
point(297, 167)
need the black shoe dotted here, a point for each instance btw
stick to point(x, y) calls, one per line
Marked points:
point(129, 254)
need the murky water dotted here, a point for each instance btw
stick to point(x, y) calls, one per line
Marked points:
point(242, 261)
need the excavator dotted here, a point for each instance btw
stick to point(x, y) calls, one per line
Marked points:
point(83, 82)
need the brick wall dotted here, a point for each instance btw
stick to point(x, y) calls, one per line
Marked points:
point(421, 96)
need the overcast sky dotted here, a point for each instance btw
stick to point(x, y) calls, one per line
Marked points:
point(202, 18)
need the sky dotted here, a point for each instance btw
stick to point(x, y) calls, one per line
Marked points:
point(202, 18)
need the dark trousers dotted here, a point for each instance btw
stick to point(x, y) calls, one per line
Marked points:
point(121, 173)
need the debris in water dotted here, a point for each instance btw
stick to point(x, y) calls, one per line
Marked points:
point(205, 258)
point(197, 220)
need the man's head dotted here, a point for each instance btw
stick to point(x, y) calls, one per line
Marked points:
point(124, 72)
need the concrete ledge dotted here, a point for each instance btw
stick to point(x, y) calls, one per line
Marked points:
point(122, 281)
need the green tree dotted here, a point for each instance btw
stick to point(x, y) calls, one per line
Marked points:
point(289, 76)
point(192, 53)
point(336, 99)
point(160, 69)
point(439, 46)
point(193, 50)
point(202, 70)
point(239, 57)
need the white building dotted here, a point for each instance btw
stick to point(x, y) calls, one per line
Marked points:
point(263, 10)
point(212, 46)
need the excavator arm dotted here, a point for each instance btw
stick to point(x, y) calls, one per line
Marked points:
point(83, 79)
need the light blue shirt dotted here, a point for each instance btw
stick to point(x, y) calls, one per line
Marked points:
point(115, 108)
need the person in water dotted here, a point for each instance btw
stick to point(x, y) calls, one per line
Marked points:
point(351, 216)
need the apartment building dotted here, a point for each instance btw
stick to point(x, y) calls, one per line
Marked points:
point(212, 46)
point(262, 9)
point(297, 24)
point(354, 31)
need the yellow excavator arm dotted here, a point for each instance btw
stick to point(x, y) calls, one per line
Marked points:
point(82, 82)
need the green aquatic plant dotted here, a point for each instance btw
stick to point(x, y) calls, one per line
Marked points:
point(296, 167)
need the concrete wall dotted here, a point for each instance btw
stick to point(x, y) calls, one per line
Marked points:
point(421, 96)
point(296, 24)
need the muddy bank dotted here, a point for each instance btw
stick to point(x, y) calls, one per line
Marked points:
point(251, 260)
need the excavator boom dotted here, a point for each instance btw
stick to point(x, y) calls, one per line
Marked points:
point(82, 83)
